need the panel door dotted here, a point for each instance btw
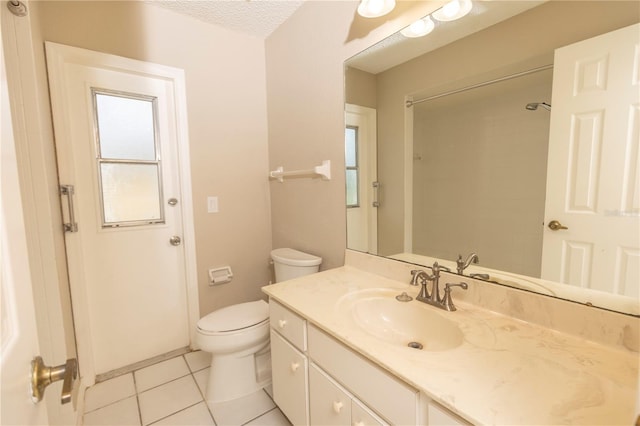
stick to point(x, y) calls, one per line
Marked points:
point(19, 337)
point(594, 144)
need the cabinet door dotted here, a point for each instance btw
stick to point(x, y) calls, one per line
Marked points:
point(289, 369)
point(328, 404)
point(362, 416)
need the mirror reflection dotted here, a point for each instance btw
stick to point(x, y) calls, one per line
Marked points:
point(500, 134)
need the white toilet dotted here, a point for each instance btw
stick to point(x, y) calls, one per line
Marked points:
point(238, 336)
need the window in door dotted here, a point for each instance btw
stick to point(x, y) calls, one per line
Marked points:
point(128, 156)
point(352, 166)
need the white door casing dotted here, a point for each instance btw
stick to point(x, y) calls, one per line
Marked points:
point(593, 178)
point(362, 221)
point(135, 295)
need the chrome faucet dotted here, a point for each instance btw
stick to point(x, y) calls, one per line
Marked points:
point(433, 298)
point(464, 264)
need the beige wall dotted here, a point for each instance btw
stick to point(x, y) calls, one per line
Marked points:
point(226, 101)
point(527, 39)
point(305, 81)
point(360, 88)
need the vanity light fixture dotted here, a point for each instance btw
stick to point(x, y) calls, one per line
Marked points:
point(453, 10)
point(375, 8)
point(420, 28)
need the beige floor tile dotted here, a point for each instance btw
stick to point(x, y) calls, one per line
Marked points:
point(160, 373)
point(108, 392)
point(272, 418)
point(241, 410)
point(197, 415)
point(121, 413)
point(167, 399)
point(198, 360)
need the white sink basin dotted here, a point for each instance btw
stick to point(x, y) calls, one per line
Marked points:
point(412, 324)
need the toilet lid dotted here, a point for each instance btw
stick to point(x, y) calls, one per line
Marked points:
point(235, 317)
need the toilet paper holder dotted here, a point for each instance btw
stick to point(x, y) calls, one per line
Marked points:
point(221, 275)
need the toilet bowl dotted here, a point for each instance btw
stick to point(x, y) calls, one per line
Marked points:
point(237, 336)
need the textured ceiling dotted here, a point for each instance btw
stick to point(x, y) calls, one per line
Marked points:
point(256, 17)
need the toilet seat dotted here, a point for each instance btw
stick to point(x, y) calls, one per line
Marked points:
point(234, 318)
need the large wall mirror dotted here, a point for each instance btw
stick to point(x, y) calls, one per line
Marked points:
point(512, 133)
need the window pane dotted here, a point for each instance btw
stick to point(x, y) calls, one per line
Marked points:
point(130, 193)
point(126, 127)
point(350, 146)
point(352, 188)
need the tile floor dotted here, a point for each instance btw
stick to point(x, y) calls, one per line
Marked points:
point(172, 393)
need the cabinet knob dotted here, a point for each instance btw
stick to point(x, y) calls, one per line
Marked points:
point(294, 366)
point(337, 406)
point(282, 323)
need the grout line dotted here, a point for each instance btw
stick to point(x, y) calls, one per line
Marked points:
point(204, 397)
point(135, 386)
point(172, 414)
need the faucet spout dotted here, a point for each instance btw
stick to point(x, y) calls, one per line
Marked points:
point(433, 298)
point(464, 264)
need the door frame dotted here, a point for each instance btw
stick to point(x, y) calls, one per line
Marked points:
point(28, 97)
point(58, 56)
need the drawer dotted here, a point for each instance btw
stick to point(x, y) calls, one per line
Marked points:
point(288, 324)
point(289, 380)
point(329, 404)
point(388, 396)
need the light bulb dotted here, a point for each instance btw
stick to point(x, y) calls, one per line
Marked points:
point(419, 28)
point(375, 8)
point(455, 9)
point(450, 9)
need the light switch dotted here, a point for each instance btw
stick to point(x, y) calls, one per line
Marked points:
point(212, 204)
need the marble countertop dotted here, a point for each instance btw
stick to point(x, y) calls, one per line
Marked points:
point(506, 371)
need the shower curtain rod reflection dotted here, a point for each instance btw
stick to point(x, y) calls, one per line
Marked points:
point(410, 103)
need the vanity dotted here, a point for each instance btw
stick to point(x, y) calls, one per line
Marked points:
point(336, 361)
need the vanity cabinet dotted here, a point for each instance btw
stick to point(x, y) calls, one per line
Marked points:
point(319, 381)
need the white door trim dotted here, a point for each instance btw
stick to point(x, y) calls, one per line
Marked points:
point(58, 56)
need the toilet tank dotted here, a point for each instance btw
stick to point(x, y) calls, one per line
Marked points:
point(289, 263)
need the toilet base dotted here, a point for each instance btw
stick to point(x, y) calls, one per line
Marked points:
point(234, 377)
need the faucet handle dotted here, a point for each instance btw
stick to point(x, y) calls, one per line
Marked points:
point(444, 268)
point(447, 302)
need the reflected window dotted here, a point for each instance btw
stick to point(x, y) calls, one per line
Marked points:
point(129, 165)
point(352, 166)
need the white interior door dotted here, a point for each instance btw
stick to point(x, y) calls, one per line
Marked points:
point(593, 180)
point(19, 334)
point(361, 156)
point(117, 139)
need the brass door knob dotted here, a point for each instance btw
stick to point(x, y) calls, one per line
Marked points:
point(42, 376)
point(554, 225)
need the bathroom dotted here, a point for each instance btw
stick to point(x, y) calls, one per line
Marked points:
point(233, 79)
